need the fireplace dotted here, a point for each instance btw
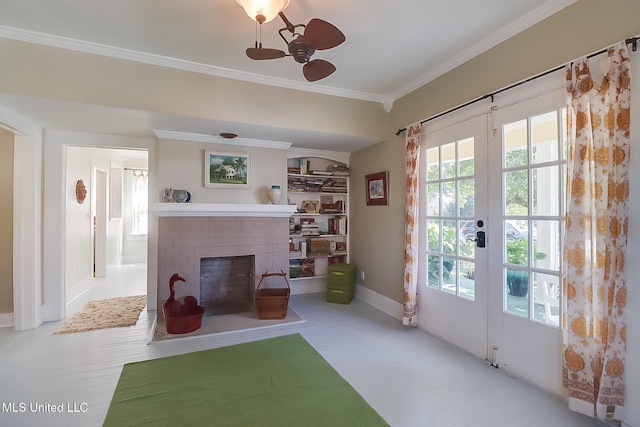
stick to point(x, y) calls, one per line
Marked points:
point(191, 232)
point(227, 284)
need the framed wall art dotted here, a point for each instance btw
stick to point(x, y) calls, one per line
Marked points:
point(377, 188)
point(224, 169)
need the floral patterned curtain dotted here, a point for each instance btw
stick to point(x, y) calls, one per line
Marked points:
point(598, 118)
point(409, 313)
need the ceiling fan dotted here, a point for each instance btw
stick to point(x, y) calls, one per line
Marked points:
point(317, 35)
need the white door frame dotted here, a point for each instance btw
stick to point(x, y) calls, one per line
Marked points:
point(54, 222)
point(99, 214)
point(27, 219)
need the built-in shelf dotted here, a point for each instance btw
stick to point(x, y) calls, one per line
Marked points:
point(222, 209)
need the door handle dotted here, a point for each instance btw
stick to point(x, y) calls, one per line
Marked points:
point(480, 239)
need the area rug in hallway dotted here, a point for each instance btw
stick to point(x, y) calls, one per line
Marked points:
point(229, 323)
point(280, 381)
point(106, 313)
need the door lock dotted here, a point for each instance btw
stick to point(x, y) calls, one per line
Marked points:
point(480, 239)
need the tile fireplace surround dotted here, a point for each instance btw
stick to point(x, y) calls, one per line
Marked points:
point(188, 232)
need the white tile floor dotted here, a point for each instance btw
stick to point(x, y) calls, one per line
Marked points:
point(409, 377)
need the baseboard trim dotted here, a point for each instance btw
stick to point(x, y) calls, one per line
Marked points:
point(379, 301)
point(6, 320)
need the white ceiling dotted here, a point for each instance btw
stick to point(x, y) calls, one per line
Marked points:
point(391, 48)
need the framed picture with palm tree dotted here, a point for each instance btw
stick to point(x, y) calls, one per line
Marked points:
point(224, 169)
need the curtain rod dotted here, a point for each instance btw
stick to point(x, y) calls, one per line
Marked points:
point(136, 169)
point(633, 41)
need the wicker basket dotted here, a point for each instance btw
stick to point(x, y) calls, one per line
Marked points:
point(272, 303)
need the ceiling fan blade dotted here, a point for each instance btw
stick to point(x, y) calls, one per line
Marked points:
point(264, 53)
point(323, 35)
point(317, 69)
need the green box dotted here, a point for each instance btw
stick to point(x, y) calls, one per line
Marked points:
point(340, 294)
point(341, 274)
point(341, 283)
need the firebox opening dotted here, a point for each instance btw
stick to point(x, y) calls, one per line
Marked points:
point(227, 284)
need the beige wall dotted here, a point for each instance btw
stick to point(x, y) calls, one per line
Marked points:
point(6, 221)
point(580, 29)
point(378, 233)
point(47, 72)
point(181, 166)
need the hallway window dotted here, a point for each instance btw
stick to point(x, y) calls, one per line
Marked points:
point(139, 201)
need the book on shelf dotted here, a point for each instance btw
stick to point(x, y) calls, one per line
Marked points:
point(321, 172)
point(304, 165)
point(338, 225)
point(336, 169)
point(309, 228)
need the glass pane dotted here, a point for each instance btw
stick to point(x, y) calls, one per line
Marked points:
point(467, 235)
point(516, 291)
point(433, 235)
point(433, 199)
point(515, 144)
point(449, 275)
point(467, 281)
point(449, 199)
point(546, 188)
point(546, 298)
point(546, 244)
point(465, 154)
point(466, 199)
point(449, 237)
point(449, 160)
point(433, 164)
point(433, 269)
point(544, 137)
point(516, 192)
point(516, 246)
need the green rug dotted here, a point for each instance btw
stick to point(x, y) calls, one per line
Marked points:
point(279, 381)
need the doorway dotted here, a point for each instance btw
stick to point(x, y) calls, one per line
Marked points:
point(103, 258)
point(529, 152)
point(492, 212)
point(453, 292)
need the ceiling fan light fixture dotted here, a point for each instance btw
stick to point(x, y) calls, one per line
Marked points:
point(263, 11)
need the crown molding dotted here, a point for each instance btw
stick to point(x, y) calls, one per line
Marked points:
point(179, 64)
point(517, 26)
point(215, 139)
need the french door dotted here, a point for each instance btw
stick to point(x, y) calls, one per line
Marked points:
point(492, 212)
point(452, 291)
point(529, 157)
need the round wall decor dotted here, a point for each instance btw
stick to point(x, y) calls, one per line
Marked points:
point(81, 191)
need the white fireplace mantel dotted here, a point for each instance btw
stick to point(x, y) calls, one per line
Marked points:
point(221, 209)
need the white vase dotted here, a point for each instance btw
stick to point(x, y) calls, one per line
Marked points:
point(275, 193)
